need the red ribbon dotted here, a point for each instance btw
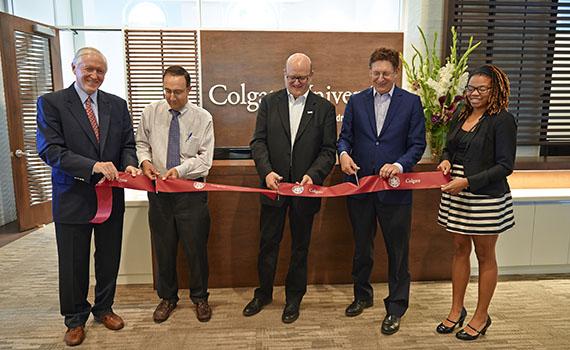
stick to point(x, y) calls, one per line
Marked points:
point(368, 184)
point(104, 192)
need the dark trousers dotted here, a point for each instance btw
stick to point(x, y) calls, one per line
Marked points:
point(272, 223)
point(395, 222)
point(183, 217)
point(74, 249)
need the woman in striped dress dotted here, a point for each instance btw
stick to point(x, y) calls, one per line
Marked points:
point(476, 206)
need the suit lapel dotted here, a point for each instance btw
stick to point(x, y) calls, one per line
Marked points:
point(308, 113)
point(78, 111)
point(370, 110)
point(283, 108)
point(104, 118)
point(395, 102)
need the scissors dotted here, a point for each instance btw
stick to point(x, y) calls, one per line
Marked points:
point(356, 176)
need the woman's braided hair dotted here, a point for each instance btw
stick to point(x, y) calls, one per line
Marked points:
point(500, 90)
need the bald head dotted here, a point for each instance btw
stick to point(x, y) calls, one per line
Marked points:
point(298, 72)
point(299, 60)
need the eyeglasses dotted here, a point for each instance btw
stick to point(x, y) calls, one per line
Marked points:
point(300, 78)
point(480, 89)
point(385, 75)
point(176, 93)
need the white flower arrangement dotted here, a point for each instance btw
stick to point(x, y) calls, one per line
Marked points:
point(439, 87)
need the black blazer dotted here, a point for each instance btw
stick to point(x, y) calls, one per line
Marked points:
point(314, 148)
point(490, 154)
point(67, 143)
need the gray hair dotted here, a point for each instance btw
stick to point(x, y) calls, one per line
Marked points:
point(87, 51)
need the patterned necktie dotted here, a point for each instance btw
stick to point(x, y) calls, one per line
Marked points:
point(91, 117)
point(173, 152)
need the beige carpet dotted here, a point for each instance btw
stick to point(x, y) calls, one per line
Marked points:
point(527, 313)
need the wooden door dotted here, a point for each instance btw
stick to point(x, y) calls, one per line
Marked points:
point(31, 67)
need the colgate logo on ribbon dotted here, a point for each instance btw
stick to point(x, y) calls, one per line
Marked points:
point(394, 181)
point(298, 189)
point(199, 185)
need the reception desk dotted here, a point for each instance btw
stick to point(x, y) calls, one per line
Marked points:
point(234, 236)
point(540, 241)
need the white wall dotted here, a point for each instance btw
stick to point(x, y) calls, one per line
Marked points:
point(429, 15)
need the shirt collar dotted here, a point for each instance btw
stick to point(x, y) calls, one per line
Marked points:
point(83, 95)
point(389, 93)
point(292, 98)
point(181, 111)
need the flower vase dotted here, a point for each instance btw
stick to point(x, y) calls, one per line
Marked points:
point(436, 142)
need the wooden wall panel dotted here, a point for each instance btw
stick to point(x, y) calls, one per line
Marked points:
point(238, 63)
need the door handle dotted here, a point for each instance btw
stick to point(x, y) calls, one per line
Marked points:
point(19, 153)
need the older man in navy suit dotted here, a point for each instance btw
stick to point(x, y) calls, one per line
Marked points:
point(383, 133)
point(86, 134)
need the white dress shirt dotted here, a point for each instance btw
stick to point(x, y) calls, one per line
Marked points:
point(296, 107)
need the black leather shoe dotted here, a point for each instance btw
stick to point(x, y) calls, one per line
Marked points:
point(357, 307)
point(466, 336)
point(390, 325)
point(254, 306)
point(443, 329)
point(290, 313)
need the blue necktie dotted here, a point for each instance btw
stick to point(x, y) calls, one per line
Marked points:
point(173, 152)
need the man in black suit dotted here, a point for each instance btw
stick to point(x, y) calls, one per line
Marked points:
point(294, 141)
point(86, 134)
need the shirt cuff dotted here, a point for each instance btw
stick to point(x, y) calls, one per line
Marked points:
point(399, 167)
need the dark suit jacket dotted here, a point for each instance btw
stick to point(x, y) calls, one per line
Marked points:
point(314, 148)
point(67, 143)
point(401, 140)
point(490, 154)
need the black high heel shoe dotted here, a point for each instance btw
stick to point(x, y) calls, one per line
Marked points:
point(443, 329)
point(466, 336)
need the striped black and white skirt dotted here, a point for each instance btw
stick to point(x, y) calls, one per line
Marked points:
point(473, 214)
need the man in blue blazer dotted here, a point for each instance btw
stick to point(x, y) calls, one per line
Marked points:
point(383, 133)
point(86, 134)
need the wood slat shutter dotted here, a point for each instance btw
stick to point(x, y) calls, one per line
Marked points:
point(530, 40)
point(147, 54)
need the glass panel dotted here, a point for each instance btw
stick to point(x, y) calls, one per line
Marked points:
point(40, 11)
point(111, 44)
point(7, 195)
point(138, 13)
point(317, 15)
